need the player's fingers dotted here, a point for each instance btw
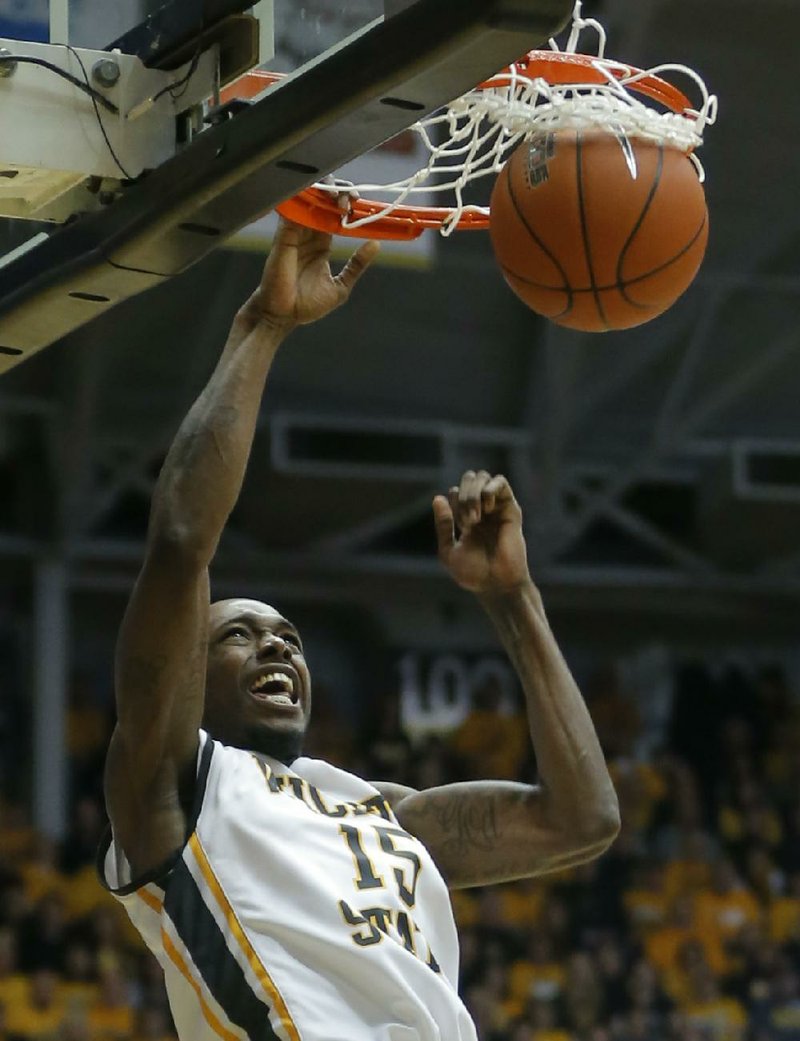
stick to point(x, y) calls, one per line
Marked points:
point(492, 492)
point(287, 236)
point(500, 491)
point(443, 522)
point(345, 191)
point(452, 498)
point(315, 245)
point(358, 264)
point(470, 495)
point(310, 244)
point(467, 506)
point(287, 231)
point(283, 256)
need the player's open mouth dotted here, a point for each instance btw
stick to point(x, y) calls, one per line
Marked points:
point(274, 687)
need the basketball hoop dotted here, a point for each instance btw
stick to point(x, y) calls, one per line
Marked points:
point(544, 92)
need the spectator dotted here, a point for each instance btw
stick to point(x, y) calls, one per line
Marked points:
point(389, 748)
point(88, 732)
point(645, 901)
point(13, 984)
point(40, 1013)
point(522, 904)
point(646, 996)
point(755, 960)
point(111, 1017)
point(537, 976)
point(80, 845)
point(614, 713)
point(582, 994)
point(490, 742)
point(720, 1017)
point(152, 1024)
point(43, 935)
point(488, 1003)
point(691, 852)
point(784, 912)
point(778, 1017)
point(790, 852)
point(613, 976)
point(726, 905)
point(641, 790)
point(40, 871)
point(694, 726)
point(432, 765)
point(79, 985)
point(13, 906)
point(543, 1022)
point(762, 875)
point(663, 945)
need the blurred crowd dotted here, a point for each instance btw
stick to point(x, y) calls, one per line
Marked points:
point(687, 930)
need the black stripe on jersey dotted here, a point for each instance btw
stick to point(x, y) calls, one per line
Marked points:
point(159, 875)
point(221, 972)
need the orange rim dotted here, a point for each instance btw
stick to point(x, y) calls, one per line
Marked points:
point(319, 210)
point(560, 67)
point(249, 85)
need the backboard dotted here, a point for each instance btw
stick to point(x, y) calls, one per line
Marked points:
point(360, 72)
point(292, 35)
point(302, 31)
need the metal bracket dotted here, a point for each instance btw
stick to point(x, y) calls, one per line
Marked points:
point(8, 66)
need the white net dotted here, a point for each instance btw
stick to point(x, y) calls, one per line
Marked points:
point(475, 135)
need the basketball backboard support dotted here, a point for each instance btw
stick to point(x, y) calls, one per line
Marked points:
point(356, 80)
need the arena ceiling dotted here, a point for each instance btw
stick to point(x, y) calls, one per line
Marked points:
point(658, 466)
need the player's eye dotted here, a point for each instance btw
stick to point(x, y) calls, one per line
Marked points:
point(291, 638)
point(235, 631)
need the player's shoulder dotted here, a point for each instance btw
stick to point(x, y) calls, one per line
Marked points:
point(318, 773)
point(327, 777)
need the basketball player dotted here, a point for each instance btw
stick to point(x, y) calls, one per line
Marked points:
point(284, 897)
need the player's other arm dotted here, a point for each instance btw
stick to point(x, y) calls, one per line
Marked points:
point(492, 831)
point(162, 646)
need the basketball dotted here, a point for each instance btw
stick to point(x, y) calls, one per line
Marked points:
point(598, 232)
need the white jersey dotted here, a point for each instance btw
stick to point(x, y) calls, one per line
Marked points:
point(298, 910)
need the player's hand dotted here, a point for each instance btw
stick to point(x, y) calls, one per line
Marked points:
point(479, 533)
point(298, 285)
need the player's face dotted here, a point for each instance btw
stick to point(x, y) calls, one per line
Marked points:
point(258, 688)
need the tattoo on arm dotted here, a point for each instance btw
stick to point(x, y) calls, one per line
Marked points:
point(467, 824)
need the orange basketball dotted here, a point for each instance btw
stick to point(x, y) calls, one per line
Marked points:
point(598, 232)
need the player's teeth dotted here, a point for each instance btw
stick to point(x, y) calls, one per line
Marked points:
point(274, 677)
point(279, 677)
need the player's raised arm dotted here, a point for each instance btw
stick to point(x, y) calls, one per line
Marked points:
point(162, 646)
point(492, 831)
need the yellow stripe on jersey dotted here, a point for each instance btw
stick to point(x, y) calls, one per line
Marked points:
point(152, 901)
point(180, 964)
point(253, 960)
